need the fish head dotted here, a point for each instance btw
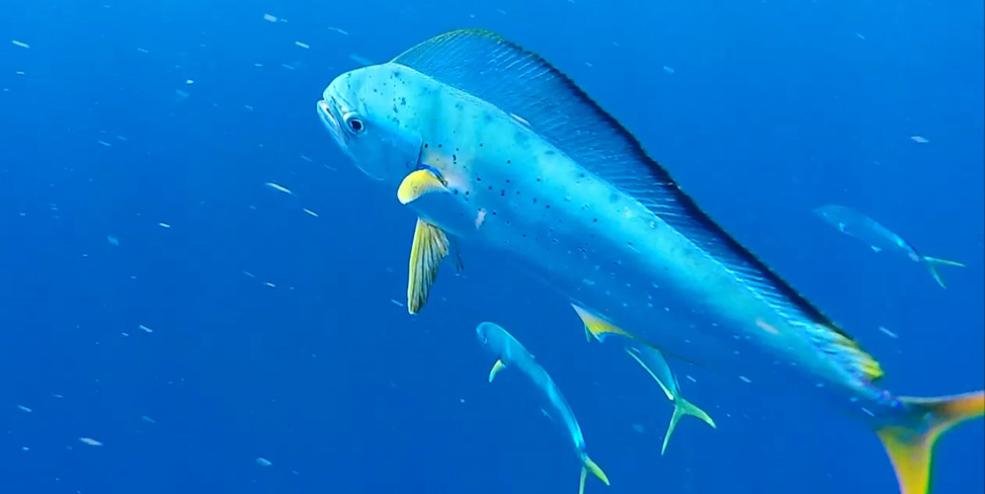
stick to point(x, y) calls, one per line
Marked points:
point(361, 109)
point(491, 336)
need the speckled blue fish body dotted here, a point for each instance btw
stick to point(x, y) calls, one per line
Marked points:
point(490, 144)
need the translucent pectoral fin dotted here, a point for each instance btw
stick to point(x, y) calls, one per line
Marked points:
point(429, 248)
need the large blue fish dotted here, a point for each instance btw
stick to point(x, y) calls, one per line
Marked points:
point(488, 143)
point(510, 353)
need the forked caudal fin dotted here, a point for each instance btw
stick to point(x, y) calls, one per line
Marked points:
point(683, 408)
point(932, 264)
point(910, 444)
point(590, 466)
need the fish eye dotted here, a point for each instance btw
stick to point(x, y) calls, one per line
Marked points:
point(354, 123)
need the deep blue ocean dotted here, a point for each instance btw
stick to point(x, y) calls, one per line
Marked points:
point(171, 324)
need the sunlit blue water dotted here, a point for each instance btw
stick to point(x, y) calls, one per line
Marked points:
point(157, 298)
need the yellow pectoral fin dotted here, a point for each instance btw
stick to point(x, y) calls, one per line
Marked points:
point(417, 184)
point(429, 248)
point(597, 327)
point(496, 369)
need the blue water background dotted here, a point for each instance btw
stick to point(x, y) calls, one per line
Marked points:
point(762, 110)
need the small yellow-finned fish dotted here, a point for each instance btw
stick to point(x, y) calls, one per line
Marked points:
point(511, 354)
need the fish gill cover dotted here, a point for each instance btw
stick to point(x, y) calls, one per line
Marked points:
point(200, 293)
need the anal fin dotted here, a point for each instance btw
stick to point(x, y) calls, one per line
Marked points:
point(429, 248)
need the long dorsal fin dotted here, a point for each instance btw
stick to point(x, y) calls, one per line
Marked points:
point(519, 82)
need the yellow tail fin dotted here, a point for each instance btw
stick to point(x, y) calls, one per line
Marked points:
point(682, 408)
point(910, 444)
point(590, 466)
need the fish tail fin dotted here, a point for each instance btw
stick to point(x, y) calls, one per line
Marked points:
point(932, 264)
point(910, 442)
point(588, 465)
point(683, 408)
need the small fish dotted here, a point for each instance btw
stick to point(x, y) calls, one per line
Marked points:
point(263, 462)
point(279, 188)
point(510, 353)
point(19, 43)
point(919, 139)
point(310, 213)
point(302, 44)
point(338, 30)
point(25, 409)
point(879, 238)
point(113, 240)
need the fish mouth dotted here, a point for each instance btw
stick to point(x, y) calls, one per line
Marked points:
point(331, 123)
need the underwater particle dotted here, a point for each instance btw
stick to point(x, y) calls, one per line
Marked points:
point(919, 139)
point(745, 379)
point(248, 274)
point(25, 448)
point(520, 119)
point(688, 376)
point(355, 57)
point(104, 143)
point(164, 225)
point(302, 44)
point(88, 441)
point(306, 158)
point(147, 419)
point(886, 331)
point(180, 95)
point(860, 36)
point(396, 302)
point(115, 242)
point(20, 44)
point(669, 70)
point(25, 409)
point(270, 284)
point(144, 328)
point(143, 50)
point(263, 462)
point(270, 17)
point(279, 188)
point(480, 218)
point(287, 66)
point(189, 82)
point(338, 30)
point(638, 428)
